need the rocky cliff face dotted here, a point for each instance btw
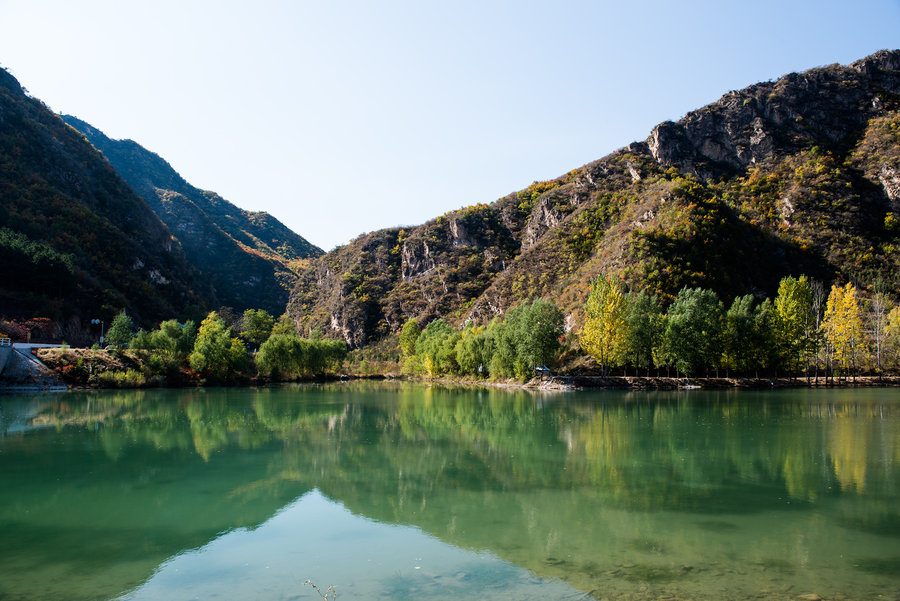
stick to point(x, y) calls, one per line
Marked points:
point(828, 106)
point(793, 176)
point(246, 257)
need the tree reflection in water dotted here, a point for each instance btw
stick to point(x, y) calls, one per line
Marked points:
point(685, 491)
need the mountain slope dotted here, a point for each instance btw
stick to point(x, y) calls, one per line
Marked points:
point(75, 241)
point(247, 256)
point(799, 175)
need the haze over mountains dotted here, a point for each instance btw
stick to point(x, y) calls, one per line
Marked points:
point(798, 175)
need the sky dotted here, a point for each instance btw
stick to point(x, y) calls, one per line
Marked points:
point(343, 117)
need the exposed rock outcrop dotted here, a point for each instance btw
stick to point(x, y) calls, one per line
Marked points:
point(889, 177)
point(784, 177)
point(828, 106)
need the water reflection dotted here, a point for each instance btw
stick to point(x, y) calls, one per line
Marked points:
point(700, 494)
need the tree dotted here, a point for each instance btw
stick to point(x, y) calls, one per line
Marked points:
point(892, 339)
point(536, 329)
point(694, 324)
point(814, 325)
point(141, 341)
point(473, 351)
point(256, 326)
point(333, 353)
point(793, 306)
point(284, 325)
point(121, 331)
point(287, 356)
point(432, 351)
point(645, 325)
point(843, 326)
point(527, 337)
point(878, 319)
point(605, 323)
point(238, 359)
point(502, 341)
point(738, 341)
point(765, 351)
point(216, 354)
point(279, 356)
point(173, 339)
point(409, 333)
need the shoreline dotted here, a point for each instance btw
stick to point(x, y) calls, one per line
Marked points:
point(560, 382)
point(583, 382)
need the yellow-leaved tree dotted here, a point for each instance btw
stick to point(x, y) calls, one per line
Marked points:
point(843, 326)
point(605, 324)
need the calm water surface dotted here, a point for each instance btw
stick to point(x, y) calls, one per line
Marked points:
point(411, 492)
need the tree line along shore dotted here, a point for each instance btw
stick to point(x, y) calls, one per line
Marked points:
point(628, 339)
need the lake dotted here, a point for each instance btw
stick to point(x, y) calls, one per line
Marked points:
point(402, 491)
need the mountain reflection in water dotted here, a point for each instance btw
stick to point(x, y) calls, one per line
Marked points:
point(698, 494)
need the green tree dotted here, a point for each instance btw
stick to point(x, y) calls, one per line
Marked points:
point(738, 343)
point(473, 351)
point(121, 331)
point(141, 341)
point(793, 306)
point(604, 334)
point(333, 353)
point(765, 351)
point(256, 326)
point(280, 356)
point(238, 359)
point(173, 339)
point(694, 324)
point(432, 349)
point(284, 325)
point(287, 356)
point(409, 333)
point(645, 325)
point(502, 363)
point(216, 354)
point(534, 329)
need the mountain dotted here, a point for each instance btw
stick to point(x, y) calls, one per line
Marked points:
point(249, 258)
point(76, 242)
point(795, 176)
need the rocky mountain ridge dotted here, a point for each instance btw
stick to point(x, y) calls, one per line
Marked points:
point(798, 175)
point(248, 257)
point(75, 241)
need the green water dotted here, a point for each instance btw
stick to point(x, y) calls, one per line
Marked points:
point(411, 492)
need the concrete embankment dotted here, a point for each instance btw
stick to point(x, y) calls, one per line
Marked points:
point(5, 353)
point(22, 371)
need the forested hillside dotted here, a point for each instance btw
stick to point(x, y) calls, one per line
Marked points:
point(76, 242)
point(795, 176)
point(249, 258)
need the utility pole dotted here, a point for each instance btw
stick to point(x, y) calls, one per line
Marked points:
point(99, 321)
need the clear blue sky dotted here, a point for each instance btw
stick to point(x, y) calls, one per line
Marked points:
point(342, 117)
